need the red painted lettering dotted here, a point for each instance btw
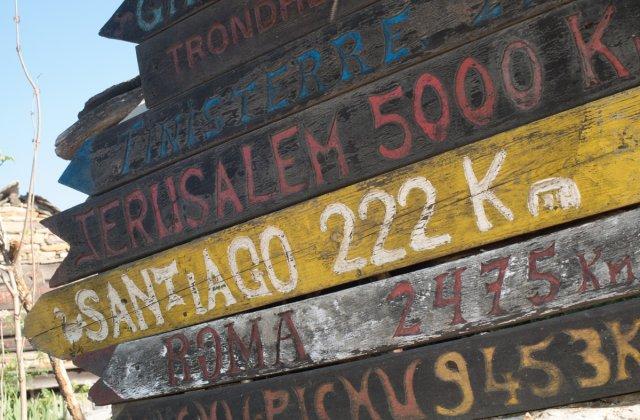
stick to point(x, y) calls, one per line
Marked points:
point(404, 289)
point(107, 226)
point(247, 158)
point(587, 274)
point(437, 130)
point(284, 8)
point(287, 318)
point(321, 393)
point(275, 402)
point(483, 113)
point(441, 302)
point(212, 46)
point(234, 341)
point(501, 265)
point(135, 224)
point(410, 409)
point(380, 120)
point(225, 193)
point(176, 219)
point(360, 398)
point(201, 203)
point(177, 357)
point(246, 410)
point(283, 163)
point(535, 275)
point(616, 267)
point(82, 219)
point(213, 410)
point(263, 23)
point(246, 27)
point(523, 98)
point(595, 46)
point(333, 143)
point(302, 405)
point(194, 50)
point(173, 52)
point(201, 339)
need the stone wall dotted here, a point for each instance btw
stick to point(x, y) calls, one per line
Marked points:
point(48, 248)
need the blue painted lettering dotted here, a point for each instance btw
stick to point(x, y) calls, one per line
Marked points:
point(218, 122)
point(272, 91)
point(354, 55)
point(243, 94)
point(128, 135)
point(148, 25)
point(314, 56)
point(391, 35)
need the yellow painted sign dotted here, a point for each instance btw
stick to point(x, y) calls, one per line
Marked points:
point(579, 163)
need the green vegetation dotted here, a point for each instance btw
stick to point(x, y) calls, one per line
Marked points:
point(42, 405)
point(4, 158)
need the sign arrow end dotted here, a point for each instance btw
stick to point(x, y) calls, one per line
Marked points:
point(78, 174)
point(101, 394)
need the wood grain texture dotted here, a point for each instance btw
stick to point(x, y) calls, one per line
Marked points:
point(137, 20)
point(587, 264)
point(341, 142)
point(225, 35)
point(94, 122)
point(578, 357)
point(195, 121)
point(563, 168)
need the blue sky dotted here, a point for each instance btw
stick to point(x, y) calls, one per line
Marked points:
point(72, 63)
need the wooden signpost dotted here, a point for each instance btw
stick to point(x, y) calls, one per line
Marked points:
point(352, 138)
point(227, 34)
point(137, 20)
point(306, 207)
point(563, 168)
point(579, 357)
point(582, 265)
point(226, 107)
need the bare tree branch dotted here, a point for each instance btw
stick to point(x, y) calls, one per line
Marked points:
point(20, 292)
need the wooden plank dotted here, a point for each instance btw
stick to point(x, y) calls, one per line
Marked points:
point(133, 149)
point(225, 35)
point(494, 288)
point(579, 357)
point(10, 344)
point(297, 158)
point(34, 360)
point(49, 381)
point(563, 168)
point(137, 20)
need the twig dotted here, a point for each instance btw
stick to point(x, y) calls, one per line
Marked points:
point(18, 284)
point(28, 221)
point(22, 374)
point(2, 367)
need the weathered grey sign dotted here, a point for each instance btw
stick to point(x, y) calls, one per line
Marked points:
point(582, 265)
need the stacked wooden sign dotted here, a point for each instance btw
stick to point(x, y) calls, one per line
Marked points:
point(399, 172)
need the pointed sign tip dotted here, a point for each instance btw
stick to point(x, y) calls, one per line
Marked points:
point(104, 31)
point(101, 394)
point(95, 361)
point(78, 174)
point(57, 279)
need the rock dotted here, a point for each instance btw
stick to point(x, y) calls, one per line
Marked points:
point(95, 121)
